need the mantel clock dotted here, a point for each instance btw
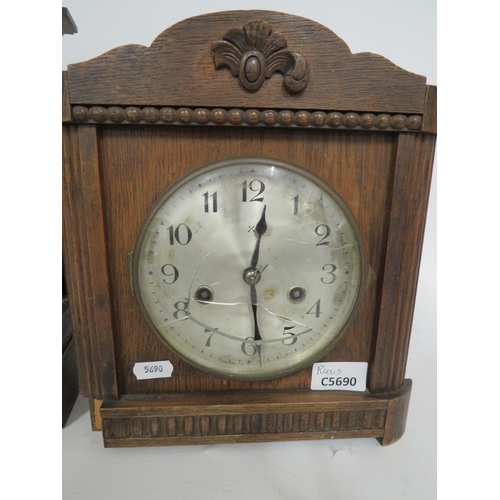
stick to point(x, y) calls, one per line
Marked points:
point(244, 207)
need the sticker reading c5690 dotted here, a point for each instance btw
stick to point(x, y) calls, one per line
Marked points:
point(341, 376)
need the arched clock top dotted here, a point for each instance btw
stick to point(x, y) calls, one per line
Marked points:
point(247, 60)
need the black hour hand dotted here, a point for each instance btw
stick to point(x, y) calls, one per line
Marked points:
point(260, 229)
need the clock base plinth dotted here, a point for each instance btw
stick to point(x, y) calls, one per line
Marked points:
point(206, 418)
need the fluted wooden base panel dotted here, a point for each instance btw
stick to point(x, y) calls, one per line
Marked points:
point(253, 417)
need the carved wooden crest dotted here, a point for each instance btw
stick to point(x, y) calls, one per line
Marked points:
point(254, 52)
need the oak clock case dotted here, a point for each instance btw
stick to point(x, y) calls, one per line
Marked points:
point(249, 268)
point(231, 208)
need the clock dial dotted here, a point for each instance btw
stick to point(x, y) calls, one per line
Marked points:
point(249, 268)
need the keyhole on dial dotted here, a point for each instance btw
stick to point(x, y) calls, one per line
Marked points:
point(204, 294)
point(296, 294)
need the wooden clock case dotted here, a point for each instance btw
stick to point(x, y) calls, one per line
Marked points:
point(231, 84)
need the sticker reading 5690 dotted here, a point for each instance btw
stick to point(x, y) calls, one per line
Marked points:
point(153, 369)
point(342, 376)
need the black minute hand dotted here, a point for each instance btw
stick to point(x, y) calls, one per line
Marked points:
point(253, 298)
point(256, 333)
point(260, 229)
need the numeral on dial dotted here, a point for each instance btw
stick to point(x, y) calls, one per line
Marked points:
point(182, 234)
point(181, 309)
point(329, 269)
point(171, 277)
point(315, 309)
point(324, 231)
point(255, 186)
point(206, 198)
point(290, 340)
point(213, 331)
point(249, 349)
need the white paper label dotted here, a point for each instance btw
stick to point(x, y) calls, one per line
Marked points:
point(345, 376)
point(153, 369)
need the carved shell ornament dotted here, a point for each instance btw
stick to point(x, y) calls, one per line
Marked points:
point(254, 52)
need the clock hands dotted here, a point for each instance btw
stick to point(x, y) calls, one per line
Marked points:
point(252, 276)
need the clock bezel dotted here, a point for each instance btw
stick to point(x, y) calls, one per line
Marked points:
point(235, 162)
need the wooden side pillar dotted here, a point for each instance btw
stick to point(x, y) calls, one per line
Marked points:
point(86, 263)
point(413, 167)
